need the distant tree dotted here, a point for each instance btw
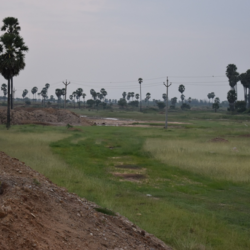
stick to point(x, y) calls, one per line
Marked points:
point(140, 80)
point(128, 96)
point(240, 106)
point(79, 92)
point(93, 94)
point(34, 91)
point(83, 96)
point(134, 103)
point(44, 94)
point(122, 103)
point(58, 93)
point(209, 96)
point(216, 104)
point(245, 81)
point(231, 97)
point(124, 94)
point(173, 102)
point(90, 103)
point(185, 106)
point(148, 96)
point(181, 90)
point(4, 89)
point(104, 93)
point(164, 96)
point(233, 76)
point(182, 98)
point(132, 95)
point(137, 96)
point(212, 95)
point(25, 92)
point(161, 105)
point(189, 100)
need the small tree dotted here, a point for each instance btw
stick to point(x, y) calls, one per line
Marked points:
point(216, 104)
point(122, 103)
point(173, 102)
point(231, 97)
point(181, 90)
point(161, 105)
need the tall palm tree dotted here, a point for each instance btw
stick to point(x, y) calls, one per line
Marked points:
point(58, 93)
point(233, 76)
point(34, 91)
point(11, 26)
point(44, 94)
point(132, 95)
point(140, 80)
point(83, 96)
point(12, 50)
point(212, 95)
point(181, 90)
point(164, 96)
point(245, 81)
point(137, 96)
point(209, 96)
point(231, 97)
point(93, 93)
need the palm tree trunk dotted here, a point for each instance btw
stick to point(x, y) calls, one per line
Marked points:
point(8, 106)
point(11, 93)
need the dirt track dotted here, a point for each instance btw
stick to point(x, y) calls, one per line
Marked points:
point(37, 214)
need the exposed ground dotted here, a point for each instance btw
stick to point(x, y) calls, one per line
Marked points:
point(37, 214)
point(43, 116)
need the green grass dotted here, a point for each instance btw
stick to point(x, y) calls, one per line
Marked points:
point(200, 200)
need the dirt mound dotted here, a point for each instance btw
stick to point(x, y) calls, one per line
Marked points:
point(217, 139)
point(48, 116)
point(37, 214)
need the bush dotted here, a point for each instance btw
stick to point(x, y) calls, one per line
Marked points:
point(27, 102)
point(240, 106)
point(122, 103)
point(161, 105)
point(134, 103)
point(185, 106)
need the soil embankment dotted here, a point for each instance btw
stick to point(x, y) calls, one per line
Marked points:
point(44, 116)
point(37, 214)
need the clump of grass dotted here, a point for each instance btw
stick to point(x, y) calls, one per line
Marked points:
point(36, 182)
point(105, 211)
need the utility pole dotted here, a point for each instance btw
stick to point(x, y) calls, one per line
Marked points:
point(167, 86)
point(66, 84)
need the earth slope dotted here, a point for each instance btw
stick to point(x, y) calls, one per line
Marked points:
point(37, 214)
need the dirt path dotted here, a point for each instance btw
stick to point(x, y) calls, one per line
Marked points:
point(37, 214)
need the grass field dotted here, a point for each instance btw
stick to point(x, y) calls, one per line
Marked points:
point(199, 189)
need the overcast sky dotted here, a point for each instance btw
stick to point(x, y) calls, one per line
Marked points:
point(111, 43)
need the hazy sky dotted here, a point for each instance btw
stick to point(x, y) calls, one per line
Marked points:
point(111, 43)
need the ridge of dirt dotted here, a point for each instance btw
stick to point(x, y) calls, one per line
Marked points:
point(37, 214)
point(43, 116)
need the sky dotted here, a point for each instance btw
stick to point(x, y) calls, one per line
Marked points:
point(111, 43)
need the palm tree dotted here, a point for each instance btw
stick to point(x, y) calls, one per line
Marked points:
point(233, 76)
point(137, 96)
point(104, 93)
point(140, 80)
point(58, 93)
point(4, 89)
point(83, 97)
point(245, 81)
point(47, 85)
point(44, 94)
point(231, 97)
point(74, 96)
point(124, 95)
point(79, 92)
point(181, 90)
point(33, 91)
point(132, 95)
point(164, 96)
point(12, 50)
point(11, 27)
point(209, 96)
point(25, 92)
point(189, 100)
point(212, 94)
point(93, 93)
point(148, 96)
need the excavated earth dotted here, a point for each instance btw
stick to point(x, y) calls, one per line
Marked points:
point(37, 214)
point(43, 116)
